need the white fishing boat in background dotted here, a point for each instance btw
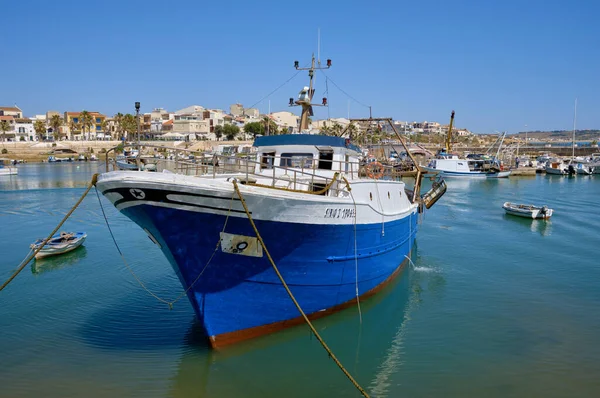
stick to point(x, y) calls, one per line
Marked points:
point(6, 167)
point(448, 164)
point(527, 211)
point(59, 244)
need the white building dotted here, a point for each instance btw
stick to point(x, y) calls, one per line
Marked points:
point(24, 130)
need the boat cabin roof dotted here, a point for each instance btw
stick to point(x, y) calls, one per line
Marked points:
point(304, 140)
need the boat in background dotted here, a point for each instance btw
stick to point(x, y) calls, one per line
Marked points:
point(527, 211)
point(6, 167)
point(334, 236)
point(63, 242)
point(451, 165)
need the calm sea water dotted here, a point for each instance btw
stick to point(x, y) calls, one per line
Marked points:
point(494, 306)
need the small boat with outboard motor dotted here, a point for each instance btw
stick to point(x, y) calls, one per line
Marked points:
point(63, 242)
point(527, 211)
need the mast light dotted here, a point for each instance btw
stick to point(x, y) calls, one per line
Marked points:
point(324, 101)
point(296, 64)
point(291, 101)
point(328, 63)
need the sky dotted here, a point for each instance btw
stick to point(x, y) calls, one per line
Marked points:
point(502, 65)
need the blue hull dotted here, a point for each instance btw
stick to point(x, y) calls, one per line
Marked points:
point(239, 297)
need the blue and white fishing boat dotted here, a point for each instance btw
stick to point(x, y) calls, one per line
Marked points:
point(63, 242)
point(334, 235)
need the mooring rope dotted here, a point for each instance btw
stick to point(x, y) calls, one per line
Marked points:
point(355, 248)
point(45, 241)
point(289, 292)
point(182, 294)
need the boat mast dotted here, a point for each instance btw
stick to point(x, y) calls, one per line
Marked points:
point(305, 99)
point(449, 136)
point(574, 124)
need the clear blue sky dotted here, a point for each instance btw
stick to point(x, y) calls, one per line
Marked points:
point(500, 65)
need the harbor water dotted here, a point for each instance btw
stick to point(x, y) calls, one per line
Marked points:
point(493, 305)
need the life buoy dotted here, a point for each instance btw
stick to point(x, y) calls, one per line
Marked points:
point(371, 173)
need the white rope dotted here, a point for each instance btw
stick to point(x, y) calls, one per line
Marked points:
point(355, 254)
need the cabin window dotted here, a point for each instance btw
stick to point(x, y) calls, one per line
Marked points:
point(326, 160)
point(389, 196)
point(370, 195)
point(266, 161)
point(347, 163)
point(299, 160)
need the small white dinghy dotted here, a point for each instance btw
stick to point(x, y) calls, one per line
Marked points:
point(59, 244)
point(527, 211)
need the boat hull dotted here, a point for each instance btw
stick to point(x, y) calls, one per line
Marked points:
point(233, 289)
point(5, 171)
point(473, 174)
point(527, 211)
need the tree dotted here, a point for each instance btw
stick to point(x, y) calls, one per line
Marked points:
point(87, 121)
point(269, 126)
point(4, 126)
point(105, 127)
point(231, 131)
point(336, 129)
point(218, 132)
point(40, 129)
point(254, 128)
point(73, 126)
point(352, 130)
point(325, 130)
point(129, 125)
point(119, 120)
point(55, 122)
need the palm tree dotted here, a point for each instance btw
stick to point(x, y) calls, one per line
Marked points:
point(55, 122)
point(105, 127)
point(73, 126)
point(352, 130)
point(325, 130)
point(336, 129)
point(87, 121)
point(4, 126)
point(119, 121)
point(129, 124)
point(40, 129)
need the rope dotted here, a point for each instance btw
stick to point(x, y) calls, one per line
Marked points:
point(169, 303)
point(32, 255)
point(355, 247)
point(289, 292)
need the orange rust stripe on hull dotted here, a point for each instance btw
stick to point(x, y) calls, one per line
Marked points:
point(225, 339)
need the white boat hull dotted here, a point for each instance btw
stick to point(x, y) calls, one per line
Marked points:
point(527, 211)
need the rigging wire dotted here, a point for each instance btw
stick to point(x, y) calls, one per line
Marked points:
point(339, 88)
point(272, 92)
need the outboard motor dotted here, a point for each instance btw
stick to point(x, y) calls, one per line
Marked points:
point(571, 170)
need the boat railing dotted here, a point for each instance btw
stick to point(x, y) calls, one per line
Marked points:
point(300, 173)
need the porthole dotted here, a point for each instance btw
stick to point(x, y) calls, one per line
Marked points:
point(370, 195)
point(389, 197)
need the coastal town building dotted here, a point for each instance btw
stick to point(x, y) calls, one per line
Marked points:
point(24, 130)
point(76, 132)
point(13, 111)
point(237, 110)
point(287, 120)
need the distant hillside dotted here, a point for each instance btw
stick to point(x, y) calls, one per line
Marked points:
point(561, 135)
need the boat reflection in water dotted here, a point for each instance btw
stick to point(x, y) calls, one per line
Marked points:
point(291, 363)
point(46, 264)
point(543, 227)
